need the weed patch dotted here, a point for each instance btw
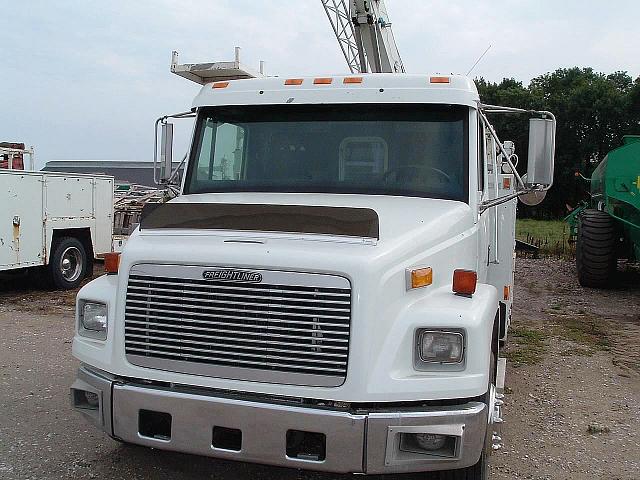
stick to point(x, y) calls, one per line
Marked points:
point(527, 346)
point(589, 332)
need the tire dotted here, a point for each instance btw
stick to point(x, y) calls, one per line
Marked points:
point(596, 249)
point(68, 263)
point(479, 471)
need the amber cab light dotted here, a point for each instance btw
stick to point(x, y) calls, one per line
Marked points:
point(464, 282)
point(111, 262)
point(348, 80)
point(293, 81)
point(323, 81)
point(507, 292)
point(420, 277)
point(220, 85)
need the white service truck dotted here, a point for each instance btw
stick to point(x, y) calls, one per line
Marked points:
point(56, 221)
point(330, 288)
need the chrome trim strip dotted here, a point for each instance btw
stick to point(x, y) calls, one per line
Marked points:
point(238, 373)
point(272, 277)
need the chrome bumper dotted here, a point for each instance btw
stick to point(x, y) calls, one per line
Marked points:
point(354, 443)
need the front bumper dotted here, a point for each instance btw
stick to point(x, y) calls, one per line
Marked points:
point(354, 442)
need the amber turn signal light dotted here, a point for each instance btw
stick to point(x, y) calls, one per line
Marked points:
point(507, 292)
point(420, 277)
point(111, 262)
point(464, 282)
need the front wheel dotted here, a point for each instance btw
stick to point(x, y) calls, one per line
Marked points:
point(68, 264)
point(479, 471)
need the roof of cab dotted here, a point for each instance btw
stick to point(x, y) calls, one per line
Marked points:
point(366, 88)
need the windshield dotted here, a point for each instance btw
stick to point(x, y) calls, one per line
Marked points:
point(407, 150)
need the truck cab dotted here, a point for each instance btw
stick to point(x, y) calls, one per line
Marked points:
point(330, 287)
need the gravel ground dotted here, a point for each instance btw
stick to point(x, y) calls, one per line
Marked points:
point(572, 404)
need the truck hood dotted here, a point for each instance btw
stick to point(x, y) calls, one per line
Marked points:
point(413, 233)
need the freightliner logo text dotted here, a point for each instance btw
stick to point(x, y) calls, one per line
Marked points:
point(232, 276)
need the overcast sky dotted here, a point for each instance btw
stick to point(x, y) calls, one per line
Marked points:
point(86, 79)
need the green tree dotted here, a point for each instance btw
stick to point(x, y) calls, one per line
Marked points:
point(593, 111)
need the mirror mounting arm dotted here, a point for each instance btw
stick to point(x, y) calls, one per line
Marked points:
point(163, 120)
point(500, 200)
point(507, 157)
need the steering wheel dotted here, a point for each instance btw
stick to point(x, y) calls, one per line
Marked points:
point(412, 170)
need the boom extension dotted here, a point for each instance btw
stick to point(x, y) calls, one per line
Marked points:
point(364, 34)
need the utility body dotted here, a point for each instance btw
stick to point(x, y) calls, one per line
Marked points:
point(57, 221)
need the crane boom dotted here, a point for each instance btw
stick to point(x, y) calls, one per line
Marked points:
point(363, 31)
point(338, 14)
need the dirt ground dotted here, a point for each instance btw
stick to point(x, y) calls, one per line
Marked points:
point(572, 403)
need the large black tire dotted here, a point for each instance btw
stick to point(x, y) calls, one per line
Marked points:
point(68, 263)
point(596, 249)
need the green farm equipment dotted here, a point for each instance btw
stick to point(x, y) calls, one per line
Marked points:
point(608, 226)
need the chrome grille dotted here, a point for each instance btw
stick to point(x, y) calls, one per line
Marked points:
point(291, 328)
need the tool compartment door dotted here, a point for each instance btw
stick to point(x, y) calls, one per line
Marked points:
point(21, 228)
point(69, 197)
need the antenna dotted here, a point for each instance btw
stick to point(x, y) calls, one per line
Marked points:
point(478, 61)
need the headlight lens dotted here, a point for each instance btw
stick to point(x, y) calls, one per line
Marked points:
point(93, 320)
point(436, 346)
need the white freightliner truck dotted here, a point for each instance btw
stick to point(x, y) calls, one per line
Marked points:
point(329, 290)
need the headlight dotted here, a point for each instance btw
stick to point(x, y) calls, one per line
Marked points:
point(93, 320)
point(436, 346)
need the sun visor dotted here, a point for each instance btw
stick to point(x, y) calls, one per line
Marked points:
point(347, 221)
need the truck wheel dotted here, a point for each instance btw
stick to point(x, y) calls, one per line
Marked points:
point(68, 263)
point(596, 249)
point(479, 471)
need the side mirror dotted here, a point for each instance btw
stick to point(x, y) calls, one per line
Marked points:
point(166, 152)
point(542, 146)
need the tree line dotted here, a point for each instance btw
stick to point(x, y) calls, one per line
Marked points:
point(593, 111)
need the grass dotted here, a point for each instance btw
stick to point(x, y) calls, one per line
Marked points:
point(588, 332)
point(551, 236)
point(527, 347)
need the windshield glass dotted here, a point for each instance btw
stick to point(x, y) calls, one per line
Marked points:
point(408, 150)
